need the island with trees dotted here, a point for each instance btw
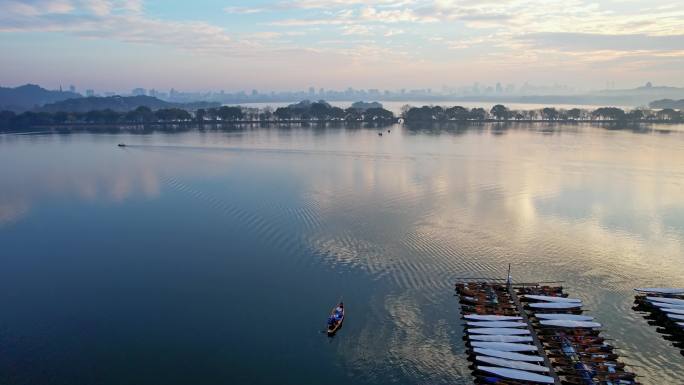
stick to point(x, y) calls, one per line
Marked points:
point(308, 112)
point(501, 113)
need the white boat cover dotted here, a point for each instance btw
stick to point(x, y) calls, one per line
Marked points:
point(681, 324)
point(548, 298)
point(556, 305)
point(516, 374)
point(660, 290)
point(674, 301)
point(512, 364)
point(570, 323)
point(484, 317)
point(497, 324)
point(495, 338)
point(499, 331)
point(562, 316)
point(505, 346)
point(668, 305)
point(509, 355)
point(673, 311)
point(676, 317)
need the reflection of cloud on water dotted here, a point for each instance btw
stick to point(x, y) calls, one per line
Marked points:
point(11, 211)
point(403, 342)
point(81, 168)
point(421, 350)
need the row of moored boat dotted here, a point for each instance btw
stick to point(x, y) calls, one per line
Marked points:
point(663, 308)
point(571, 339)
point(534, 335)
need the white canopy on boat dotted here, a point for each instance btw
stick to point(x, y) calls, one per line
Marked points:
point(562, 316)
point(485, 317)
point(497, 324)
point(555, 305)
point(674, 301)
point(681, 324)
point(660, 290)
point(673, 311)
point(516, 374)
point(495, 338)
point(509, 355)
point(676, 317)
point(512, 364)
point(505, 346)
point(570, 324)
point(499, 331)
point(548, 298)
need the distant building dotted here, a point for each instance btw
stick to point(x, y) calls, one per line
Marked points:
point(90, 93)
point(72, 88)
point(139, 92)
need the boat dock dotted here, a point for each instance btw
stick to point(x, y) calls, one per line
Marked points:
point(532, 333)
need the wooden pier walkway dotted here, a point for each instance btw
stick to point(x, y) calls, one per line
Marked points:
point(533, 334)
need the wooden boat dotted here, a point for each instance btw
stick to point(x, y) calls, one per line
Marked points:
point(504, 346)
point(333, 328)
point(662, 305)
point(496, 324)
point(570, 324)
point(493, 380)
point(496, 338)
point(516, 374)
point(508, 355)
point(563, 316)
point(521, 365)
point(675, 317)
point(498, 331)
point(573, 339)
point(555, 305)
point(660, 290)
point(550, 298)
point(479, 317)
point(674, 301)
point(508, 310)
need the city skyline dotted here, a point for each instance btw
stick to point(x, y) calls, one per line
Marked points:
point(369, 44)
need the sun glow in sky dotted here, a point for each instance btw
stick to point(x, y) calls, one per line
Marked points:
point(293, 44)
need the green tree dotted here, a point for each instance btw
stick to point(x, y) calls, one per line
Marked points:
point(549, 113)
point(499, 112)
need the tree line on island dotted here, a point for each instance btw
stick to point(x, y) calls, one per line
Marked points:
point(321, 111)
point(502, 113)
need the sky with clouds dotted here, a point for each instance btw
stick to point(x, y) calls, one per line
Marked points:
point(293, 44)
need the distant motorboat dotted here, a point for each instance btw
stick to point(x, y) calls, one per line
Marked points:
point(122, 145)
point(379, 133)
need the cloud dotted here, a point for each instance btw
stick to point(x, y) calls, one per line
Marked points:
point(570, 41)
point(244, 10)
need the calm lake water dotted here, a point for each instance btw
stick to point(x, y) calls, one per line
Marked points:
point(214, 257)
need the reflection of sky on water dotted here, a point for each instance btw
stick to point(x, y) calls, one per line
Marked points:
point(601, 210)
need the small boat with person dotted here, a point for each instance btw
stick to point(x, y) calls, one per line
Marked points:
point(335, 319)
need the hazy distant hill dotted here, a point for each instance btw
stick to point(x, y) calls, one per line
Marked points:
point(120, 104)
point(668, 103)
point(30, 96)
